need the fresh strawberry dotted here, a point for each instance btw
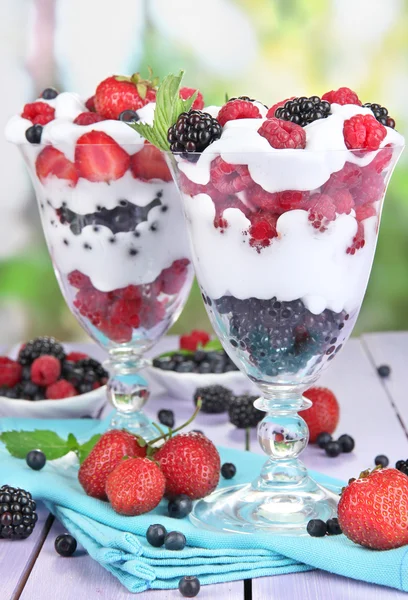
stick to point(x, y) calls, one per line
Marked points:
point(187, 92)
point(10, 372)
point(88, 118)
point(135, 486)
point(324, 413)
point(107, 453)
point(39, 113)
point(194, 339)
point(149, 164)
point(191, 465)
point(51, 161)
point(116, 94)
point(99, 158)
point(372, 510)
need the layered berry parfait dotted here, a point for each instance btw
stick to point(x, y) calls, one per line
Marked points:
point(283, 208)
point(113, 223)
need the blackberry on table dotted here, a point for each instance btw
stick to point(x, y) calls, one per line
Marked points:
point(193, 132)
point(38, 347)
point(214, 398)
point(303, 111)
point(242, 412)
point(381, 114)
point(17, 513)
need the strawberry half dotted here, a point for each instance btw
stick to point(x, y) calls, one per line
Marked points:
point(149, 164)
point(51, 161)
point(99, 158)
point(116, 94)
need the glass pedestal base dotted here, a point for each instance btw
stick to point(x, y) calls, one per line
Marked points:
point(285, 510)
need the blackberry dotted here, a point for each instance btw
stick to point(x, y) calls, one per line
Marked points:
point(215, 398)
point(38, 347)
point(17, 513)
point(49, 93)
point(246, 98)
point(33, 134)
point(12, 393)
point(402, 465)
point(193, 132)
point(242, 412)
point(303, 111)
point(381, 114)
point(92, 365)
point(166, 417)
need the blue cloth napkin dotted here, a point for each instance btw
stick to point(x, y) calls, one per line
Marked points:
point(118, 543)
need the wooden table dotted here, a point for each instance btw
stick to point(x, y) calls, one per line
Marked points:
point(373, 411)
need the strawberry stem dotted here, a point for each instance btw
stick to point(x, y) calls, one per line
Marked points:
point(172, 431)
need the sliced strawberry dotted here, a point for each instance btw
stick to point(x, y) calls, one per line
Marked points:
point(99, 158)
point(88, 118)
point(51, 161)
point(90, 104)
point(149, 164)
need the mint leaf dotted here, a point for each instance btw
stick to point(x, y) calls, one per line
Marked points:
point(173, 352)
point(84, 450)
point(169, 106)
point(20, 443)
point(72, 442)
point(213, 346)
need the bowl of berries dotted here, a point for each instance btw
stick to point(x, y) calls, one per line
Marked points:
point(42, 379)
point(199, 362)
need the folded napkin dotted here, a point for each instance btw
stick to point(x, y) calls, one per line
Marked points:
point(118, 543)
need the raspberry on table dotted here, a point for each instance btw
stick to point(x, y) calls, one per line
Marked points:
point(238, 109)
point(10, 372)
point(242, 412)
point(60, 389)
point(343, 95)
point(45, 370)
point(227, 178)
point(39, 113)
point(214, 398)
point(363, 132)
point(283, 134)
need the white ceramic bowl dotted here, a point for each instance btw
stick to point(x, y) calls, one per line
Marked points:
point(90, 404)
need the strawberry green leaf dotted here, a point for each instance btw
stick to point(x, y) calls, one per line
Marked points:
point(173, 352)
point(213, 346)
point(84, 449)
point(20, 443)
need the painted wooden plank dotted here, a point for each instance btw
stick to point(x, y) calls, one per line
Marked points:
point(392, 349)
point(82, 578)
point(17, 558)
point(367, 415)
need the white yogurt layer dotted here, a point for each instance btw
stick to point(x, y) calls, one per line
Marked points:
point(300, 263)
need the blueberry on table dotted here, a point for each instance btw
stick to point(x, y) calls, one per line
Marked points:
point(228, 470)
point(333, 527)
point(332, 449)
point(166, 417)
point(316, 528)
point(174, 540)
point(381, 460)
point(65, 544)
point(36, 460)
point(180, 507)
point(346, 443)
point(323, 439)
point(189, 586)
point(155, 535)
point(384, 371)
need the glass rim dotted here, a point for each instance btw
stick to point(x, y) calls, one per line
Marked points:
point(207, 152)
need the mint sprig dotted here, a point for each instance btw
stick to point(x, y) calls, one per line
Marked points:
point(20, 443)
point(169, 106)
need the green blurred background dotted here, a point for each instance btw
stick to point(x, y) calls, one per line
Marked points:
point(268, 49)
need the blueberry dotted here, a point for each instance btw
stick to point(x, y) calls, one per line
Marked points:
point(29, 390)
point(129, 116)
point(316, 528)
point(185, 367)
point(166, 417)
point(204, 367)
point(228, 470)
point(333, 449)
point(65, 545)
point(333, 527)
point(179, 358)
point(33, 134)
point(49, 93)
point(384, 371)
point(199, 356)
point(189, 586)
point(346, 443)
point(382, 460)
point(323, 439)
point(174, 540)
point(180, 507)
point(155, 535)
point(36, 460)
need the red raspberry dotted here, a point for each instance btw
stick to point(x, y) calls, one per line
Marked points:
point(10, 372)
point(343, 200)
point(322, 210)
point(116, 333)
point(293, 200)
point(79, 280)
point(76, 356)
point(343, 95)
point(152, 312)
point(187, 92)
point(238, 109)
point(349, 176)
point(381, 160)
point(59, 390)
point(222, 202)
point(126, 312)
point(371, 188)
point(130, 292)
point(227, 178)
point(45, 370)
point(92, 304)
point(189, 187)
point(173, 278)
point(39, 113)
point(263, 199)
point(283, 134)
point(365, 212)
point(363, 132)
point(88, 118)
point(271, 112)
point(90, 104)
point(358, 240)
point(262, 230)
